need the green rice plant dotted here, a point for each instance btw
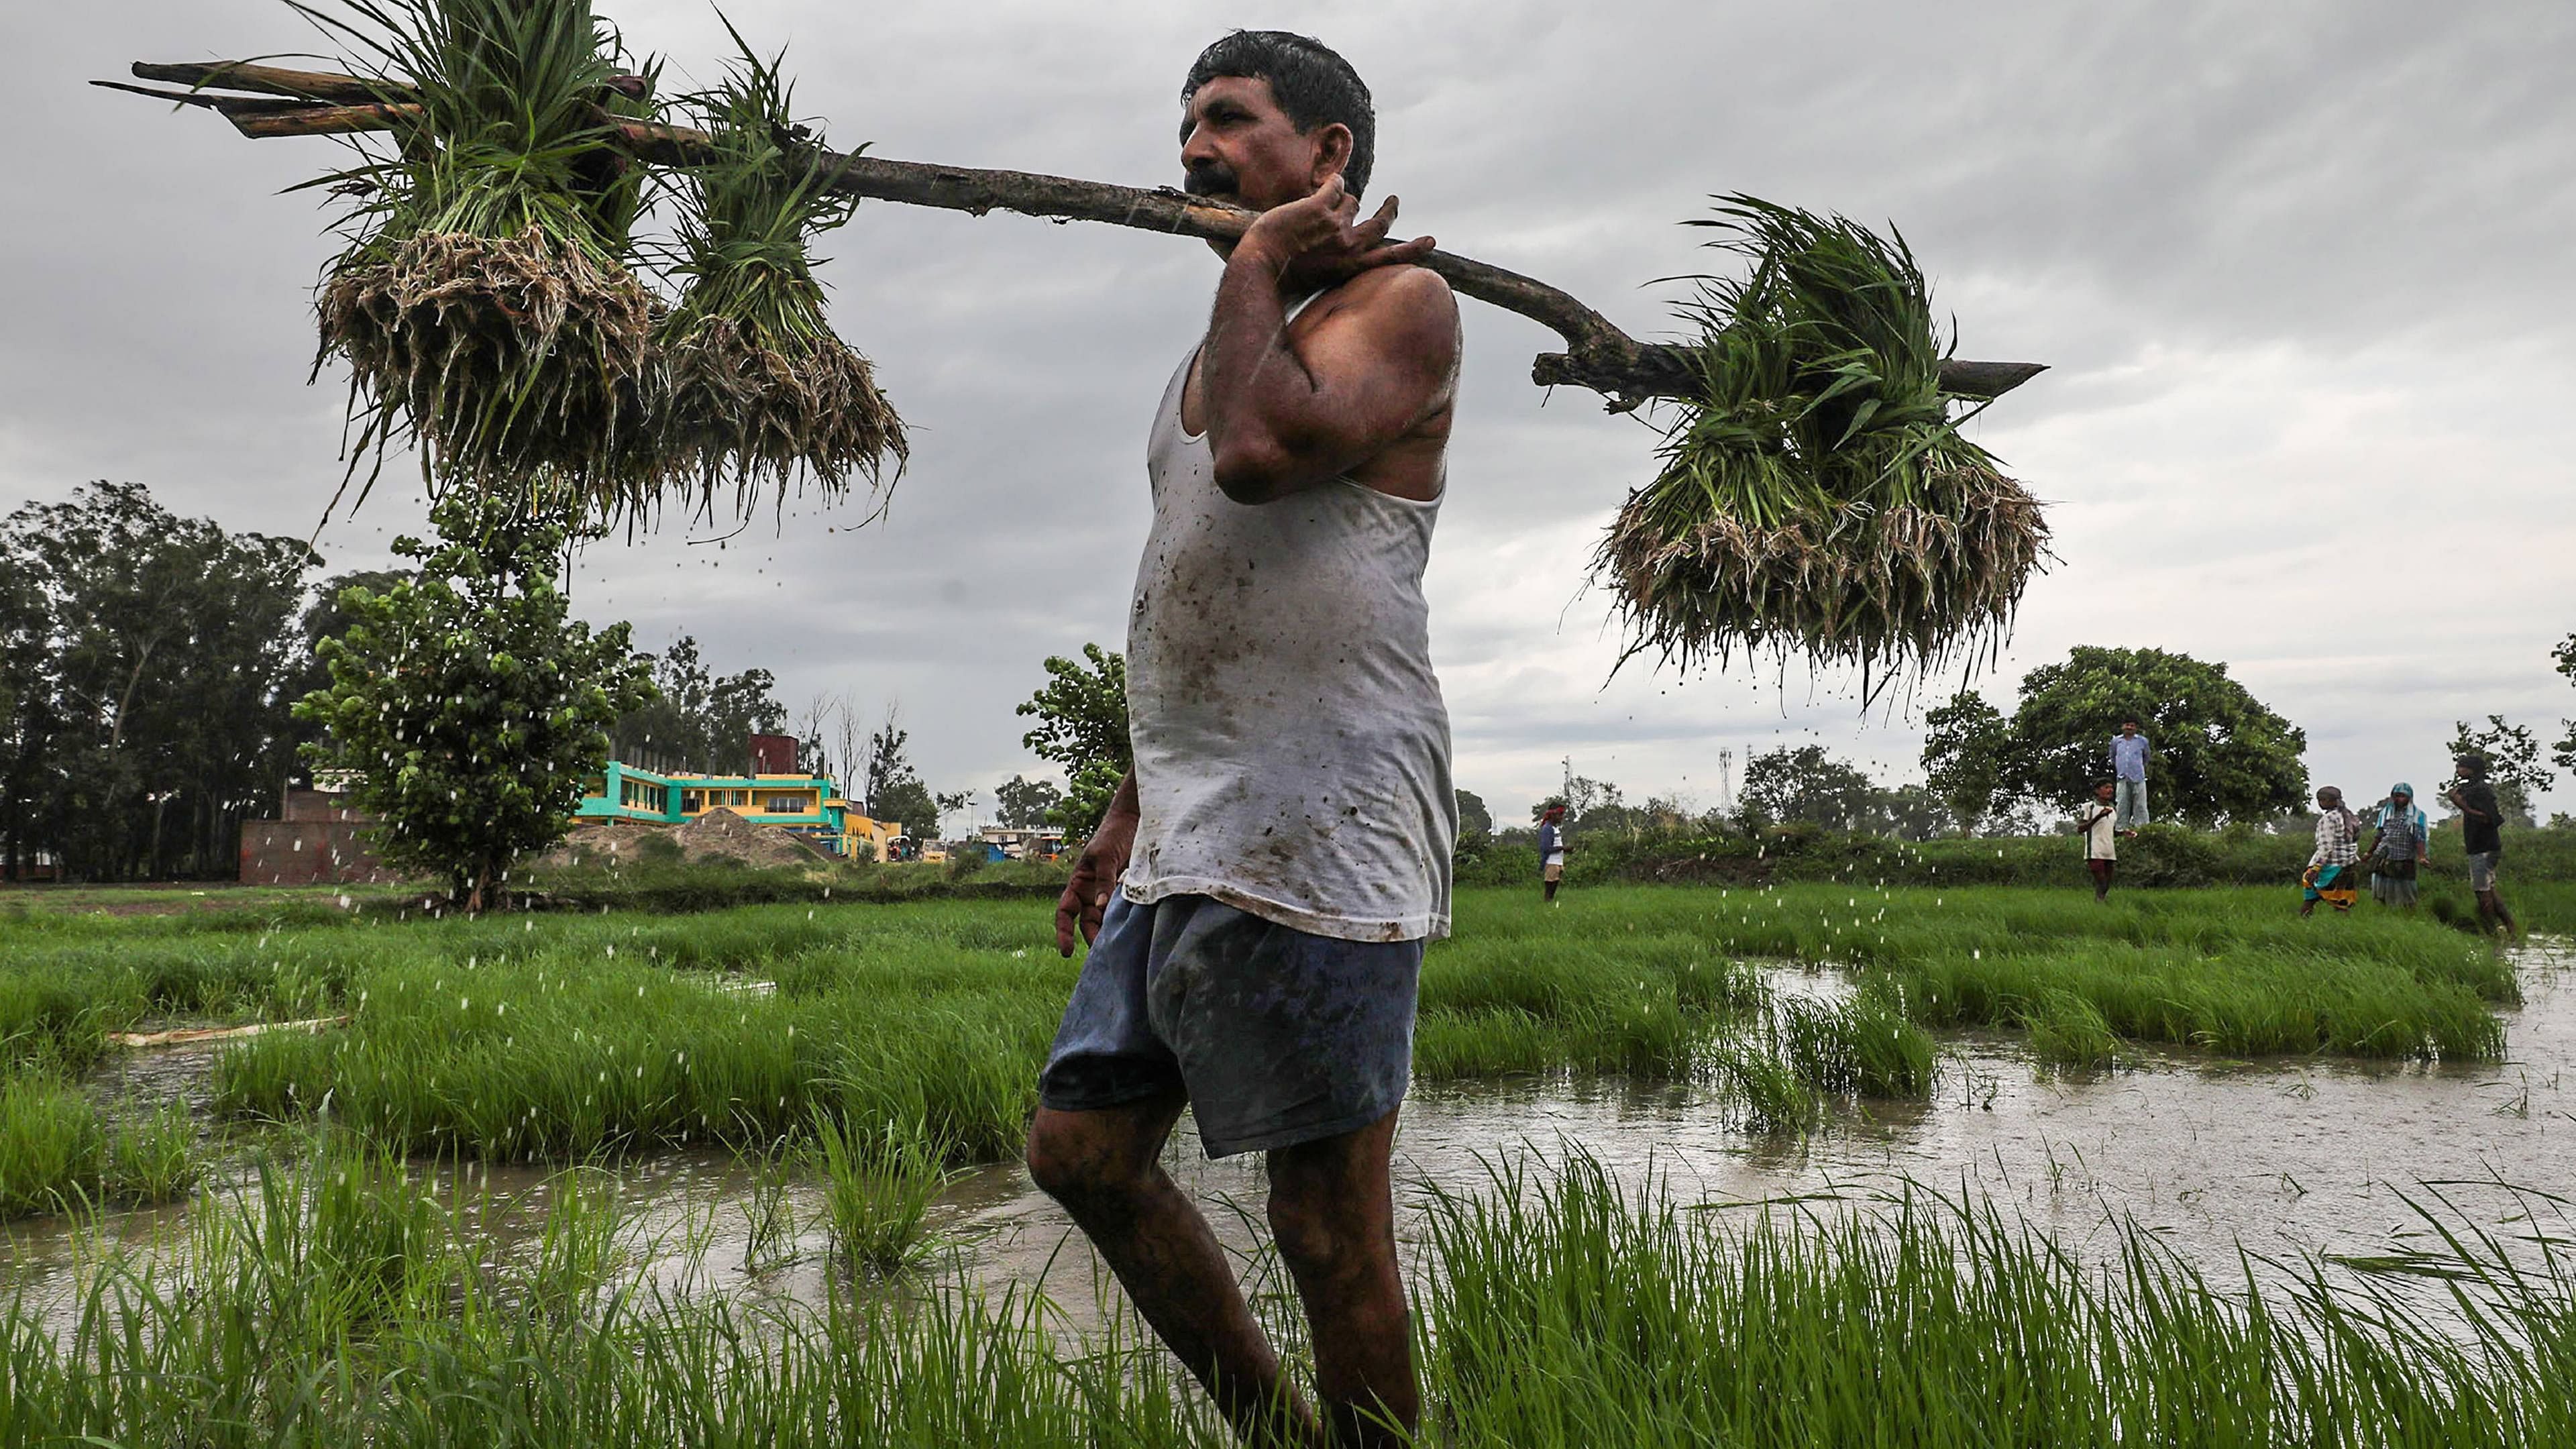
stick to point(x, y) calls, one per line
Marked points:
point(578, 1248)
point(1863, 1045)
point(1920, 1320)
point(1773, 1094)
point(2068, 1031)
point(878, 1184)
point(484, 303)
point(769, 1214)
point(1816, 496)
point(346, 1242)
point(1558, 1305)
point(762, 391)
point(151, 1156)
point(51, 1147)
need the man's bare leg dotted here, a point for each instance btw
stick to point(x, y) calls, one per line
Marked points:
point(1106, 1168)
point(1332, 1210)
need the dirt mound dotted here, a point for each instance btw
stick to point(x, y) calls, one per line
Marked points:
point(721, 832)
point(718, 833)
point(605, 843)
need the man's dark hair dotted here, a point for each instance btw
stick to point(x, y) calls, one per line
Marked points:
point(2476, 765)
point(1312, 84)
point(2128, 719)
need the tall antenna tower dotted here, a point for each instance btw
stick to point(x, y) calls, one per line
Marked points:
point(1726, 781)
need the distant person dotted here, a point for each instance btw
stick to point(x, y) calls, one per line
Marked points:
point(2405, 839)
point(1551, 851)
point(2482, 837)
point(2129, 769)
point(2100, 824)
point(2334, 865)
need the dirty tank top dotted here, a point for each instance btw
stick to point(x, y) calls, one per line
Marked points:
point(1292, 747)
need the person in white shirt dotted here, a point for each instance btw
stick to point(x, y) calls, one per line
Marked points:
point(1551, 850)
point(2100, 825)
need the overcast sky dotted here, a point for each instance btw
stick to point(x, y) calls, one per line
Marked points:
point(2301, 271)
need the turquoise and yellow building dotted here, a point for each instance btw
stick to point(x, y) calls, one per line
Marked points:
point(809, 806)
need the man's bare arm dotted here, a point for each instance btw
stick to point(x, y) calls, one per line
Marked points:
point(1283, 417)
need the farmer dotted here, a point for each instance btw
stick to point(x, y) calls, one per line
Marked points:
point(1551, 851)
point(2332, 865)
point(1260, 892)
point(2129, 768)
point(2399, 850)
point(2099, 824)
point(2482, 838)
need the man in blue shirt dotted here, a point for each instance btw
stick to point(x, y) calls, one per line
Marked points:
point(2129, 773)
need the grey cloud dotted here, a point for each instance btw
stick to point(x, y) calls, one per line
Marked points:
point(2300, 268)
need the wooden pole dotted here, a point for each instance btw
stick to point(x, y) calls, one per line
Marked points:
point(1598, 355)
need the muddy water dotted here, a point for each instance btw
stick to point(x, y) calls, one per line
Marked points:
point(2286, 1158)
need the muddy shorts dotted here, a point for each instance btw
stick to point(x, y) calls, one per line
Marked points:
point(2482, 870)
point(1277, 1037)
point(1552, 872)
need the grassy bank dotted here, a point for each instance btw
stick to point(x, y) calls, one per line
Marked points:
point(556, 1036)
point(2160, 856)
point(338, 1304)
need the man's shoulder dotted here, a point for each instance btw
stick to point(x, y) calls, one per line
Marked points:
point(1397, 297)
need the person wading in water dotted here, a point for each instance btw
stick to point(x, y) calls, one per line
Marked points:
point(1258, 897)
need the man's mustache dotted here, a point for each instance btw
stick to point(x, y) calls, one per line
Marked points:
point(1216, 179)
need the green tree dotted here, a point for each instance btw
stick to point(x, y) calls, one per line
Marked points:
point(1082, 726)
point(1475, 822)
point(1025, 804)
point(470, 702)
point(26, 697)
point(2218, 753)
point(2513, 762)
point(1808, 785)
point(890, 785)
point(1965, 744)
point(698, 719)
point(150, 659)
point(2565, 657)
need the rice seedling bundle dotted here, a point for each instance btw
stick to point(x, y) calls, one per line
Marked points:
point(484, 304)
point(761, 390)
point(1816, 497)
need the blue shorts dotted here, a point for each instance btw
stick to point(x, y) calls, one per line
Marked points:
point(1275, 1036)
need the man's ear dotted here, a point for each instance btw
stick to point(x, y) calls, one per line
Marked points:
point(1332, 150)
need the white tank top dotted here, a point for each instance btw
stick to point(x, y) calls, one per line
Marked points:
point(1292, 748)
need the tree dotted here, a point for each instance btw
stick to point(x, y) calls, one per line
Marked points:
point(891, 787)
point(1025, 804)
point(1808, 785)
point(2565, 656)
point(1475, 822)
point(146, 684)
point(2219, 754)
point(698, 719)
point(473, 706)
point(1965, 744)
point(1082, 726)
point(2513, 762)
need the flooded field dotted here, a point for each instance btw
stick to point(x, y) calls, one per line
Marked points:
point(2287, 1158)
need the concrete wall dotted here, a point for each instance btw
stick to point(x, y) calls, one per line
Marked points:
point(307, 852)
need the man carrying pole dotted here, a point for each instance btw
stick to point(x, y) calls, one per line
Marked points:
point(1258, 897)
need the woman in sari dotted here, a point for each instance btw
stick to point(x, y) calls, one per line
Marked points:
point(2405, 838)
point(2332, 874)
